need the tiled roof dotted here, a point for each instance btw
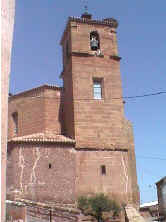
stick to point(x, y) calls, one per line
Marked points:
point(43, 137)
point(153, 203)
point(36, 89)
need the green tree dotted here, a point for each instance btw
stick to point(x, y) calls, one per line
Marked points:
point(98, 204)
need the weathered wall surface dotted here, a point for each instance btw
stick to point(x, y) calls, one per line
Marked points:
point(116, 182)
point(30, 211)
point(38, 111)
point(15, 213)
point(133, 215)
point(7, 23)
point(103, 136)
point(103, 117)
point(128, 134)
point(56, 215)
point(81, 37)
point(98, 124)
point(32, 177)
point(30, 115)
point(53, 110)
point(73, 173)
point(68, 102)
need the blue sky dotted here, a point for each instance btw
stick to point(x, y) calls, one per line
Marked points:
point(37, 59)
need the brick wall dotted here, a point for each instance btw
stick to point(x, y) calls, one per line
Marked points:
point(80, 35)
point(73, 173)
point(34, 212)
point(97, 124)
point(103, 136)
point(103, 117)
point(115, 182)
point(53, 111)
point(30, 116)
point(68, 110)
point(31, 177)
point(38, 111)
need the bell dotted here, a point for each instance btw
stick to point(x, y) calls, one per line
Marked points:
point(94, 44)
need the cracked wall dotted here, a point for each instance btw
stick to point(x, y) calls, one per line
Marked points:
point(72, 173)
point(33, 179)
point(116, 182)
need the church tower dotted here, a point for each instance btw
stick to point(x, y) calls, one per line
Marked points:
point(65, 142)
point(92, 84)
point(93, 110)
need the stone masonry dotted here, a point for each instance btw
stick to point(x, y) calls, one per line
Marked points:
point(97, 125)
point(63, 142)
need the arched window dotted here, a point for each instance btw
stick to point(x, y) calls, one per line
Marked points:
point(94, 41)
point(15, 121)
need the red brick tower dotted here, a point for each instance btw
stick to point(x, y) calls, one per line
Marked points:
point(44, 164)
point(93, 109)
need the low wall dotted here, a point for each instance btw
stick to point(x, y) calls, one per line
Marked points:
point(28, 211)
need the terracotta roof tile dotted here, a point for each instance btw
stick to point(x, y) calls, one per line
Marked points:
point(43, 137)
point(39, 88)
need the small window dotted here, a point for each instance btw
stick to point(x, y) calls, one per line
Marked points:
point(103, 170)
point(97, 89)
point(15, 121)
point(49, 165)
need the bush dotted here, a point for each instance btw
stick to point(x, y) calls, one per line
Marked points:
point(97, 205)
point(83, 203)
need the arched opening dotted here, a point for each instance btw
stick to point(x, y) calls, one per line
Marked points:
point(94, 41)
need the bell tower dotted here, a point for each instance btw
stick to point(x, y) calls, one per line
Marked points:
point(92, 83)
point(93, 109)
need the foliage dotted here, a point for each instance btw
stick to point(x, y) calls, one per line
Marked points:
point(83, 203)
point(7, 217)
point(97, 205)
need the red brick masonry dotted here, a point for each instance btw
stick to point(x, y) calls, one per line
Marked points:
point(65, 136)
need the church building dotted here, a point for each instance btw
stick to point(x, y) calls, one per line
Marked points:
point(73, 140)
